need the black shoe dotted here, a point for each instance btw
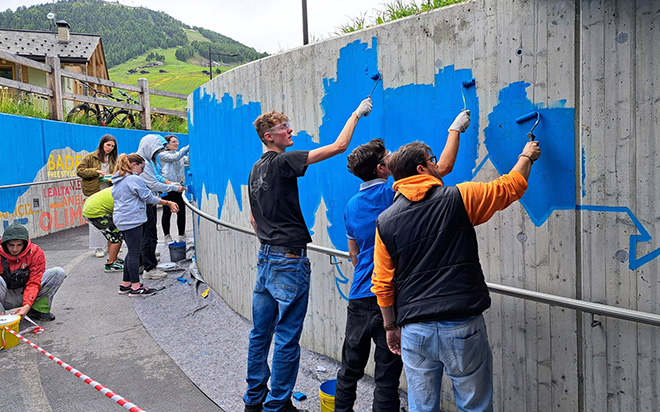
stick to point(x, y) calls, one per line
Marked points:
point(141, 291)
point(258, 407)
point(288, 407)
point(44, 317)
point(123, 290)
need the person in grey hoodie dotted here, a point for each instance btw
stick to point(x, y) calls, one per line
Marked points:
point(173, 168)
point(150, 146)
point(132, 200)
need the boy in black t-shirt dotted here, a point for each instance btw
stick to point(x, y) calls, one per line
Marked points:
point(279, 306)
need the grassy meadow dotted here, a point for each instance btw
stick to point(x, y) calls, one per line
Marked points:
point(180, 77)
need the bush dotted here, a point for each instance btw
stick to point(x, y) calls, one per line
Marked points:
point(23, 104)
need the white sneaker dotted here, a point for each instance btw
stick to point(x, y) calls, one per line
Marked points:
point(168, 239)
point(154, 274)
point(182, 239)
point(99, 252)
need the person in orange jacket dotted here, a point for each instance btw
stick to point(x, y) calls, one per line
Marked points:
point(428, 280)
point(25, 283)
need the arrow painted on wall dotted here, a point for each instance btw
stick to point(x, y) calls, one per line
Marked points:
point(643, 236)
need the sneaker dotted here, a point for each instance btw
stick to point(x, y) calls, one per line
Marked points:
point(182, 239)
point(288, 407)
point(154, 274)
point(44, 317)
point(120, 261)
point(258, 407)
point(141, 291)
point(123, 290)
point(99, 252)
point(168, 239)
point(113, 267)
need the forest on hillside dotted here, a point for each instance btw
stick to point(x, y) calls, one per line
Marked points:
point(126, 32)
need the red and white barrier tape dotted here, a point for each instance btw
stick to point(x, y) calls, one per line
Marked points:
point(107, 392)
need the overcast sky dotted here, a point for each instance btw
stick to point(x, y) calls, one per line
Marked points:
point(267, 25)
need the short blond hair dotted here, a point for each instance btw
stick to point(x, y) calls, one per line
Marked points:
point(267, 120)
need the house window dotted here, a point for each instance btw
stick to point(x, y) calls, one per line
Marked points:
point(7, 72)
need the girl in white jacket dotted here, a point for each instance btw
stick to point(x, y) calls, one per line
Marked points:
point(173, 169)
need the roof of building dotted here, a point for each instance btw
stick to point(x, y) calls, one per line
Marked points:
point(36, 45)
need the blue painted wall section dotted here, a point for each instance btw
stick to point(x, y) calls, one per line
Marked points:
point(31, 141)
point(225, 145)
point(552, 181)
point(414, 112)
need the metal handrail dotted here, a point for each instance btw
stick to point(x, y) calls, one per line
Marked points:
point(43, 182)
point(553, 300)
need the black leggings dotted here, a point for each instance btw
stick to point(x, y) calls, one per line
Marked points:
point(133, 239)
point(177, 198)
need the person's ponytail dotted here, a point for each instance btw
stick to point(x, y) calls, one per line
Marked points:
point(124, 163)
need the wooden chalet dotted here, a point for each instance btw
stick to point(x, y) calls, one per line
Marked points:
point(78, 52)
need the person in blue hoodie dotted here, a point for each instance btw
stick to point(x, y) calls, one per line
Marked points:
point(150, 146)
point(132, 200)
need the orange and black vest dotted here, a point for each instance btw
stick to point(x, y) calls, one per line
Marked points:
point(434, 249)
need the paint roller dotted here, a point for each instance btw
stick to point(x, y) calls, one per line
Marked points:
point(466, 84)
point(377, 78)
point(530, 116)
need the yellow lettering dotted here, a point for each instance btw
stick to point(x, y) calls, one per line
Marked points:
point(68, 162)
point(59, 164)
point(78, 160)
point(51, 162)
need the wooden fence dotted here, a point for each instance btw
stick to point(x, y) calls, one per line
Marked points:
point(55, 95)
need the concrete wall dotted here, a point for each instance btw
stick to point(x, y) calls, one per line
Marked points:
point(587, 228)
point(35, 150)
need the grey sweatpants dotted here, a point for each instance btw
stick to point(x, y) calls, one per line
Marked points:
point(50, 283)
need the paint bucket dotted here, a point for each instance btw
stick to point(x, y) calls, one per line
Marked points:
point(177, 251)
point(7, 340)
point(327, 395)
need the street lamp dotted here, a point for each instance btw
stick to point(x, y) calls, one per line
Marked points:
point(304, 18)
point(211, 61)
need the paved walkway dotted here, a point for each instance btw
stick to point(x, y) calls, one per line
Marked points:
point(174, 351)
point(98, 332)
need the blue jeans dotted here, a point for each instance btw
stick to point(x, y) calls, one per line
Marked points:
point(460, 348)
point(279, 305)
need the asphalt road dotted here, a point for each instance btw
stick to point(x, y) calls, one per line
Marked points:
point(98, 332)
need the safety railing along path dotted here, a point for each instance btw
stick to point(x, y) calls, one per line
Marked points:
point(552, 300)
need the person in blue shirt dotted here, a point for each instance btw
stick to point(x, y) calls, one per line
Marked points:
point(364, 322)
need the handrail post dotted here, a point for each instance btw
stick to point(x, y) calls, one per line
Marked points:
point(55, 84)
point(145, 119)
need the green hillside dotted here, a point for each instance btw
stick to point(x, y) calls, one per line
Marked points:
point(127, 32)
point(181, 77)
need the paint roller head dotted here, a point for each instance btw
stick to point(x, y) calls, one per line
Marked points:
point(526, 117)
point(375, 76)
point(530, 116)
point(469, 83)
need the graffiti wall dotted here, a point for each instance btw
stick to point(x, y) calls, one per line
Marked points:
point(36, 150)
point(587, 228)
